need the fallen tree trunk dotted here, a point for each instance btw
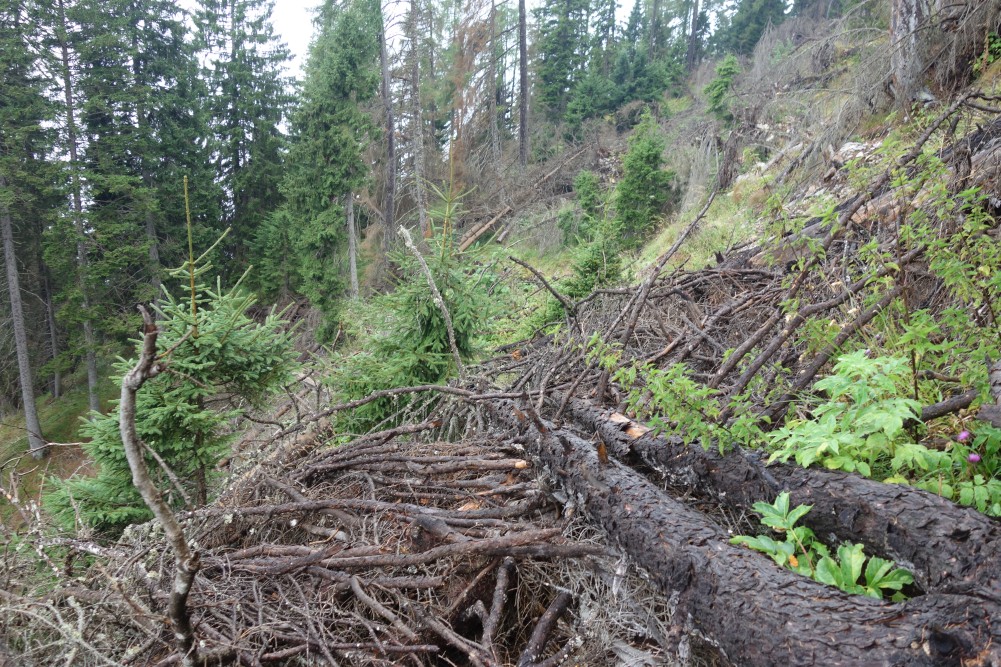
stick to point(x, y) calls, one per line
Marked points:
point(757, 613)
point(948, 548)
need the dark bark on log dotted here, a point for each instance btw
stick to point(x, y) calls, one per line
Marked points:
point(948, 548)
point(758, 613)
point(990, 414)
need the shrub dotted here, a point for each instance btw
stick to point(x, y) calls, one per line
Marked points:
point(646, 189)
point(213, 352)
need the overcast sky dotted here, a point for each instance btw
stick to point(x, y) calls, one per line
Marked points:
point(293, 20)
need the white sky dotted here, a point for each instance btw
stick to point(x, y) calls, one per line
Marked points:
point(293, 21)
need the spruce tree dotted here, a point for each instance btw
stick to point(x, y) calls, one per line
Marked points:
point(77, 291)
point(248, 100)
point(646, 189)
point(749, 22)
point(138, 90)
point(212, 352)
point(24, 179)
point(564, 51)
point(330, 131)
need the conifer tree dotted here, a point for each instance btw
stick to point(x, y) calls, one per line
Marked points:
point(248, 100)
point(211, 351)
point(24, 143)
point(330, 130)
point(749, 22)
point(522, 84)
point(138, 90)
point(564, 49)
point(646, 188)
point(79, 268)
point(386, 93)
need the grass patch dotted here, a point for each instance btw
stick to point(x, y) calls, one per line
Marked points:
point(727, 224)
point(673, 106)
point(60, 419)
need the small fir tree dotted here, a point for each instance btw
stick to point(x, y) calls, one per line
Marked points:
point(718, 90)
point(214, 353)
point(646, 189)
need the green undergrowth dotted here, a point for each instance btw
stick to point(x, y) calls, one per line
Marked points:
point(727, 224)
point(861, 412)
point(402, 339)
point(799, 550)
point(60, 420)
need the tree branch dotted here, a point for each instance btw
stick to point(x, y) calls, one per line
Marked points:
point(437, 298)
point(186, 562)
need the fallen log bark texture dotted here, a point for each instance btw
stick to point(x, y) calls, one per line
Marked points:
point(948, 548)
point(758, 613)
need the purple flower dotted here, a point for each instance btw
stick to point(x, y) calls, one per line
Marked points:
point(964, 436)
point(973, 457)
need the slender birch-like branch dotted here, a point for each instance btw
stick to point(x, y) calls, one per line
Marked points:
point(186, 562)
point(436, 295)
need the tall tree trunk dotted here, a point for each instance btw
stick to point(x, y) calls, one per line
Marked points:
point(692, 54)
point(50, 323)
point(494, 131)
point(147, 178)
point(36, 443)
point(234, 131)
point(72, 139)
point(417, 129)
point(906, 62)
point(389, 212)
point(653, 43)
point(352, 244)
point(523, 76)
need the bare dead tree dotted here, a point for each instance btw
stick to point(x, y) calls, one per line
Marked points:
point(186, 562)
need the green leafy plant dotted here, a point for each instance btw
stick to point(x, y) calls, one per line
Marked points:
point(991, 53)
point(861, 424)
point(972, 477)
point(595, 264)
point(677, 406)
point(800, 551)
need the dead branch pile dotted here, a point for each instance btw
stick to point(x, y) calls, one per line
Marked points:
point(389, 549)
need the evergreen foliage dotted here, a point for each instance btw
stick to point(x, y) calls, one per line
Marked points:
point(597, 262)
point(718, 91)
point(749, 22)
point(646, 189)
point(138, 85)
point(248, 101)
point(406, 342)
point(26, 189)
point(218, 352)
point(564, 51)
point(331, 129)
